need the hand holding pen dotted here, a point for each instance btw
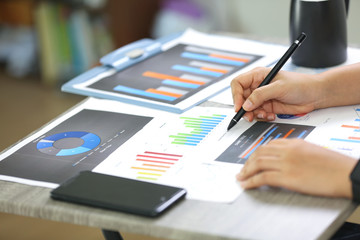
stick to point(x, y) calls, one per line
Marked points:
point(271, 75)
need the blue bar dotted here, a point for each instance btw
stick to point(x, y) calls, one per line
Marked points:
point(345, 140)
point(180, 84)
point(357, 120)
point(143, 93)
point(196, 70)
point(277, 136)
point(262, 141)
point(201, 127)
point(302, 134)
point(202, 124)
point(204, 120)
point(199, 135)
point(357, 130)
point(220, 118)
point(211, 59)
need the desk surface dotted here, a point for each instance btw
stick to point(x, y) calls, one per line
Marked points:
point(256, 214)
point(266, 213)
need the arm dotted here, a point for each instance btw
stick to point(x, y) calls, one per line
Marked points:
point(341, 86)
point(294, 93)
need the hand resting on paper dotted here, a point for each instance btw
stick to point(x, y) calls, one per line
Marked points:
point(294, 163)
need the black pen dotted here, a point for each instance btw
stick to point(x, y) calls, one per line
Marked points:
point(271, 74)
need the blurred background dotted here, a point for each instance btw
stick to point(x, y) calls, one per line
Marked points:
point(44, 43)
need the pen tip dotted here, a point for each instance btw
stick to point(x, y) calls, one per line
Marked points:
point(232, 123)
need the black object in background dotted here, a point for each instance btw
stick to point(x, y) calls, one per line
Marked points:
point(117, 193)
point(325, 25)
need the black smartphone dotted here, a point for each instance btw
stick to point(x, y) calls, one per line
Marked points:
point(117, 193)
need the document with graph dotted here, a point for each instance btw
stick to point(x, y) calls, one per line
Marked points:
point(174, 73)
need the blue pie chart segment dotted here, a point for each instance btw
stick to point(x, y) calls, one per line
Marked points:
point(89, 142)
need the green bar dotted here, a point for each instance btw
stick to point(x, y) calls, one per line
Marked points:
point(185, 134)
point(146, 178)
point(206, 117)
point(174, 136)
point(190, 118)
point(181, 143)
point(192, 125)
point(197, 132)
point(194, 121)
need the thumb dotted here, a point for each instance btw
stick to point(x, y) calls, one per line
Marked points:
point(260, 95)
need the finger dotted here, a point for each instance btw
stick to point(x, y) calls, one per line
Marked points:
point(269, 178)
point(261, 95)
point(242, 85)
point(237, 94)
point(255, 165)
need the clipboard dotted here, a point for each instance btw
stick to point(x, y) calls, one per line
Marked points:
point(173, 73)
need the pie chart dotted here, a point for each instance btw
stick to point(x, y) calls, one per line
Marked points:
point(68, 143)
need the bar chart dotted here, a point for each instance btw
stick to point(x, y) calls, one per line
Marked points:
point(151, 165)
point(195, 129)
point(345, 136)
point(175, 74)
point(259, 134)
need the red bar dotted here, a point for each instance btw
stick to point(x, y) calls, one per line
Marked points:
point(148, 169)
point(354, 138)
point(144, 160)
point(147, 156)
point(164, 154)
point(349, 126)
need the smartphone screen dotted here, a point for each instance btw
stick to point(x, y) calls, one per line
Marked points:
point(117, 193)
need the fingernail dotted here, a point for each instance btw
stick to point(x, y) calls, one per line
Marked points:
point(271, 118)
point(260, 115)
point(247, 104)
point(246, 118)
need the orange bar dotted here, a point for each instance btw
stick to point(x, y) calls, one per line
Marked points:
point(230, 58)
point(148, 169)
point(153, 165)
point(152, 90)
point(214, 70)
point(153, 161)
point(164, 77)
point(288, 133)
point(349, 126)
point(354, 138)
point(247, 152)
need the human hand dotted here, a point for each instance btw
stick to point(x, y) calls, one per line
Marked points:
point(290, 93)
point(300, 166)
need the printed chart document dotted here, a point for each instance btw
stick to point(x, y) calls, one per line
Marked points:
point(192, 150)
point(185, 71)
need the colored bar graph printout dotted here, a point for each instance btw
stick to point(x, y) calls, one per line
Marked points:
point(153, 165)
point(258, 134)
point(196, 129)
point(345, 138)
point(176, 74)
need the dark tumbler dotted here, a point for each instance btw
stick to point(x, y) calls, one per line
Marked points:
point(324, 23)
